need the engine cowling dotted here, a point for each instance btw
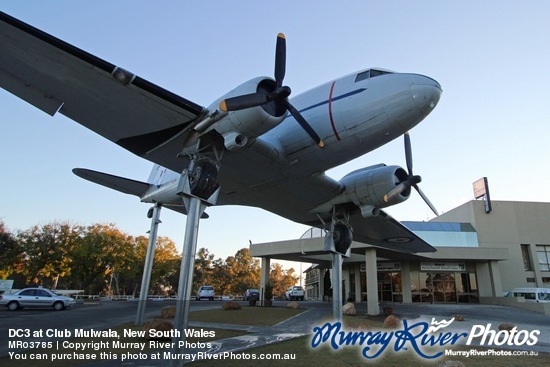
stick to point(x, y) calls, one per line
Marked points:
point(366, 188)
point(239, 128)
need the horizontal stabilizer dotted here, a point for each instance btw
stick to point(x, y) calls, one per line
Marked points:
point(124, 185)
point(121, 184)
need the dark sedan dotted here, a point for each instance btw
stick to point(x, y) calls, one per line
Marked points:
point(251, 294)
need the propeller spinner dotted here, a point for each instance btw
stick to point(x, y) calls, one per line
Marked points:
point(411, 181)
point(279, 95)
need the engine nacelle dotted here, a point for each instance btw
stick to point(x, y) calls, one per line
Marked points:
point(366, 188)
point(240, 128)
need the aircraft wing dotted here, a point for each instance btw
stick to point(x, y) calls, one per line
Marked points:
point(56, 77)
point(384, 231)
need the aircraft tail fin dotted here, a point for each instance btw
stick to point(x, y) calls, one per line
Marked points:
point(124, 185)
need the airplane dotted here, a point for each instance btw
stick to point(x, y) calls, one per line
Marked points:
point(253, 146)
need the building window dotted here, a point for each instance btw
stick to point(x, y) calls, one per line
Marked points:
point(526, 258)
point(543, 255)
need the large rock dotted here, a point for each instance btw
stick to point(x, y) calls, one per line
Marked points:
point(508, 326)
point(387, 311)
point(458, 317)
point(392, 322)
point(159, 325)
point(293, 305)
point(231, 305)
point(168, 312)
point(349, 309)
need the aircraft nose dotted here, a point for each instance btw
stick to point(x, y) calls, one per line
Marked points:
point(425, 92)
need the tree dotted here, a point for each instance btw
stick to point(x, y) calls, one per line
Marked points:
point(164, 278)
point(327, 284)
point(12, 253)
point(46, 251)
point(281, 279)
point(243, 270)
point(204, 269)
point(99, 258)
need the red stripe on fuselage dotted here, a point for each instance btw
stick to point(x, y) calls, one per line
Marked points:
point(330, 111)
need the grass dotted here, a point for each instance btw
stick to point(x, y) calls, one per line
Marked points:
point(252, 316)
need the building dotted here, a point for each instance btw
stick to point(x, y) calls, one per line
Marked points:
point(479, 256)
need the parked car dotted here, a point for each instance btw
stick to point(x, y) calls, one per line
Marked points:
point(206, 291)
point(539, 295)
point(36, 297)
point(251, 293)
point(295, 293)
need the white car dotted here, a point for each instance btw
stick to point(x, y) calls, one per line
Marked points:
point(36, 297)
point(539, 295)
point(206, 291)
point(295, 293)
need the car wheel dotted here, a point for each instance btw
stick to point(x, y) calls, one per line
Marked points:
point(58, 306)
point(12, 306)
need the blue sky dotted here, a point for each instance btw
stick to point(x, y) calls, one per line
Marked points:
point(491, 58)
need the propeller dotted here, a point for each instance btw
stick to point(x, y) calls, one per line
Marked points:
point(411, 181)
point(278, 95)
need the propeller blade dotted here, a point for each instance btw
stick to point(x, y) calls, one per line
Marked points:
point(244, 101)
point(408, 153)
point(426, 200)
point(304, 124)
point(397, 190)
point(280, 59)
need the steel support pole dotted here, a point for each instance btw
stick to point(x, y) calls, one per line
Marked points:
point(195, 209)
point(336, 286)
point(148, 266)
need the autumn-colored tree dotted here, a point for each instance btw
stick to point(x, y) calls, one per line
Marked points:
point(165, 265)
point(101, 259)
point(11, 259)
point(46, 252)
point(243, 271)
point(204, 269)
point(281, 279)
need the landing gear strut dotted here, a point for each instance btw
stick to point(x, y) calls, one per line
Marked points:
point(337, 242)
point(199, 189)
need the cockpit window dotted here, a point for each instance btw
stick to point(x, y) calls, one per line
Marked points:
point(371, 73)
